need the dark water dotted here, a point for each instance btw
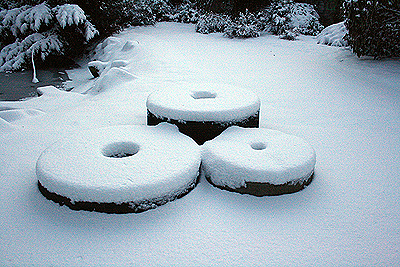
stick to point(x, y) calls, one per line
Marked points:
point(18, 85)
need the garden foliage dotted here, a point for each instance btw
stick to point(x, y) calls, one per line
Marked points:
point(33, 31)
point(283, 17)
point(212, 22)
point(185, 12)
point(64, 27)
point(246, 25)
point(374, 27)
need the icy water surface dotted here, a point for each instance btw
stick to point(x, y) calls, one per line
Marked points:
point(18, 85)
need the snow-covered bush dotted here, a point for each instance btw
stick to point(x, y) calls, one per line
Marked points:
point(285, 16)
point(161, 9)
point(333, 35)
point(277, 16)
point(124, 13)
point(304, 19)
point(289, 35)
point(212, 22)
point(245, 25)
point(185, 13)
point(374, 27)
point(28, 32)
point(132, 13)
point(110, 16)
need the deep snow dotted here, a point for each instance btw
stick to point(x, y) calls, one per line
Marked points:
point(346, 108)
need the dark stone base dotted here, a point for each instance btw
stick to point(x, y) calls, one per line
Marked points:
point(94, 71)
point(267, 189)
point(202, 131)
point(116, 208)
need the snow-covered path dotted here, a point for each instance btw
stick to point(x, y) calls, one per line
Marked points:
point(347, 108)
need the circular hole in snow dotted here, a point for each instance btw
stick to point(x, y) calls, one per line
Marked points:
point(258, 146)
point(203, 94)
point(120, 149)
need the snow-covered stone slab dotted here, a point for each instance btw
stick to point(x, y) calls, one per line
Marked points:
point(258, 161)
point(119, 169)
point(203, 111)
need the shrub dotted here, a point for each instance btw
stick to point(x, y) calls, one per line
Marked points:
point(277, 16)
point(284, 17)
point(304, 19)
point(245, 25)
point(374, 27)
point(211, 22)
point(232, 7)
point(186, 12)
point(110, 16)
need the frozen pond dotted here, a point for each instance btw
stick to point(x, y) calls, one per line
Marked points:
point(18, 85)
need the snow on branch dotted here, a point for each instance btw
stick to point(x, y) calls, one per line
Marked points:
point(41, 30)
point(69, 14)
point(9, 19)
point(15, 55)
point(33, 18)
point(90, 31)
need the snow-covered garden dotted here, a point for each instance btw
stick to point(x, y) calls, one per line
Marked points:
point(345, 107)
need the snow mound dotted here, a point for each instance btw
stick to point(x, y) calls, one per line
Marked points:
point(97, 67)
point(128, 46)
point(113, 47)
point(120, 164)
point(111, 79)
point(50, 99)
point(333, 35)
point(203, 102)
point(242, 155)
point(118, 63)
point(11, 115)
point(50, 91)
point(5, 126)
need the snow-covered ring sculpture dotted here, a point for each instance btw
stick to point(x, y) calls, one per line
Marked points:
point(258, 162)
point(119, 169)
point(203, 111)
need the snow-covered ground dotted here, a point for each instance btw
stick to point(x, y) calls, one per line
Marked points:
point(346, 108)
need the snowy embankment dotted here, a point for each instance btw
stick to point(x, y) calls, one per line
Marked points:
point(346, 108)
